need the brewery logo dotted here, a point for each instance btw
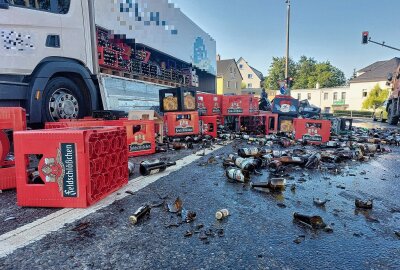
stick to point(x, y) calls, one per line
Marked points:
point(183, 127)
point(62, 170)
point(236, 107)
point(216, 107)
point(200, 105)
point(312, 134)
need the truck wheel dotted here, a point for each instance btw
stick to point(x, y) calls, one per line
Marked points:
point(392, 119)
point(62, 99)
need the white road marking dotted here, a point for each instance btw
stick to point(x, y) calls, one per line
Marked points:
point(32, 232)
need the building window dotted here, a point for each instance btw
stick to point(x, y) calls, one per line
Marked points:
point(335, 96)
point(228, 84)
point(299, 96)
point(249, 76)
point(327, 109)
point(241, 66)
point(309, 96)
point(343, 95)
point(365, 93)
point(231, 69)
point(326, 96)
point(60, 6)
point(250, 85)
point(236, 85)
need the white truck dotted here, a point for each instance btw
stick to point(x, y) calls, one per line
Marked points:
point(49, 58)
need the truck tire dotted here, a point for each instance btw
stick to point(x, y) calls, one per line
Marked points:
point(62, 99)
point(392, 119)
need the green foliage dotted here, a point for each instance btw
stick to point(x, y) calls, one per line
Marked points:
point(375, 98)
point(243, 86)
point(307, 72)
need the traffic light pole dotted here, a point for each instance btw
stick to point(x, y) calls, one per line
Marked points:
point(383, 44)
point(287, 47)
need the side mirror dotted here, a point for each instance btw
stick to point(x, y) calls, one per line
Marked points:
point(390, 77)
point(4, 4)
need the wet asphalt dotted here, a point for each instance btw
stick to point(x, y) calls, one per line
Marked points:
point(259, 234)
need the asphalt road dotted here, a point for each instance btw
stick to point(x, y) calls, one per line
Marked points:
point(259, 233)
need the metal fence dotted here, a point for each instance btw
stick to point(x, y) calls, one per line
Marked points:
point(356, 114)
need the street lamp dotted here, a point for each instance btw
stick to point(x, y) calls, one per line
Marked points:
point(287, 45)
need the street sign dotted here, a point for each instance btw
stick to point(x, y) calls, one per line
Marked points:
point(282, 90)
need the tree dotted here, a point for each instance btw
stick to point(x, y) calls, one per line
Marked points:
point(375, 98)
point(307, 72)
point(243, 86)
point(327, 75)
point(276, 72)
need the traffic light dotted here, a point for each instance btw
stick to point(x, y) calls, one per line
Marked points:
point(365, 37)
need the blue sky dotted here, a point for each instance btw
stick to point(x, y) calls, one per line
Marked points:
point(323, 29)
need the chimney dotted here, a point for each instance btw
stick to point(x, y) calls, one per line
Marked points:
point(218, 57)
point(317, 85)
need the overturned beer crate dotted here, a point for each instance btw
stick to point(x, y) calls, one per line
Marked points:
point(74, 167)
point(11, 119)
point(140, 134)
point(312, 131)
point(182, 123)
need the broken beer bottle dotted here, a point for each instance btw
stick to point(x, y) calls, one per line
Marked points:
point(148, 168)
point(315, 222)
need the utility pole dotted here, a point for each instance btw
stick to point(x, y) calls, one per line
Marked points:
point(287, 47)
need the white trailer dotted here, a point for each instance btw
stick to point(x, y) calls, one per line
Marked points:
point(49, 58)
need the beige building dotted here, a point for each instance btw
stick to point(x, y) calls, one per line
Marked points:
point(251, 76)
point(351, 97)
point(229, 79)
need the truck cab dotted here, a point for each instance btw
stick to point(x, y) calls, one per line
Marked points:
point(47, 58)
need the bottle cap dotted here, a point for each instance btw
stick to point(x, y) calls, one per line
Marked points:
point(133, 219)
point(219, 215)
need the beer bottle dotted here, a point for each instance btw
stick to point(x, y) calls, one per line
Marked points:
point(221, 214)
point(148, 168)
point(248, 152)
point(243, 163)
point(139, 213)
point(237, 175)
point(275, 165)
point(315, 222)
point(131, 167)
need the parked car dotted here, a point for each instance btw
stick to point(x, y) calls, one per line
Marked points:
point(380, 113)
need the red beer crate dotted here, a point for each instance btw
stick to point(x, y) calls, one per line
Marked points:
point(140, 136)
point(77, 166)
point(182, 123)
point(271, 123)
point(140, 133)
point(236, 105)
point(254, 105)
point(209, 125)
point(209, 104)
point(11, 119)
point(312, 131)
